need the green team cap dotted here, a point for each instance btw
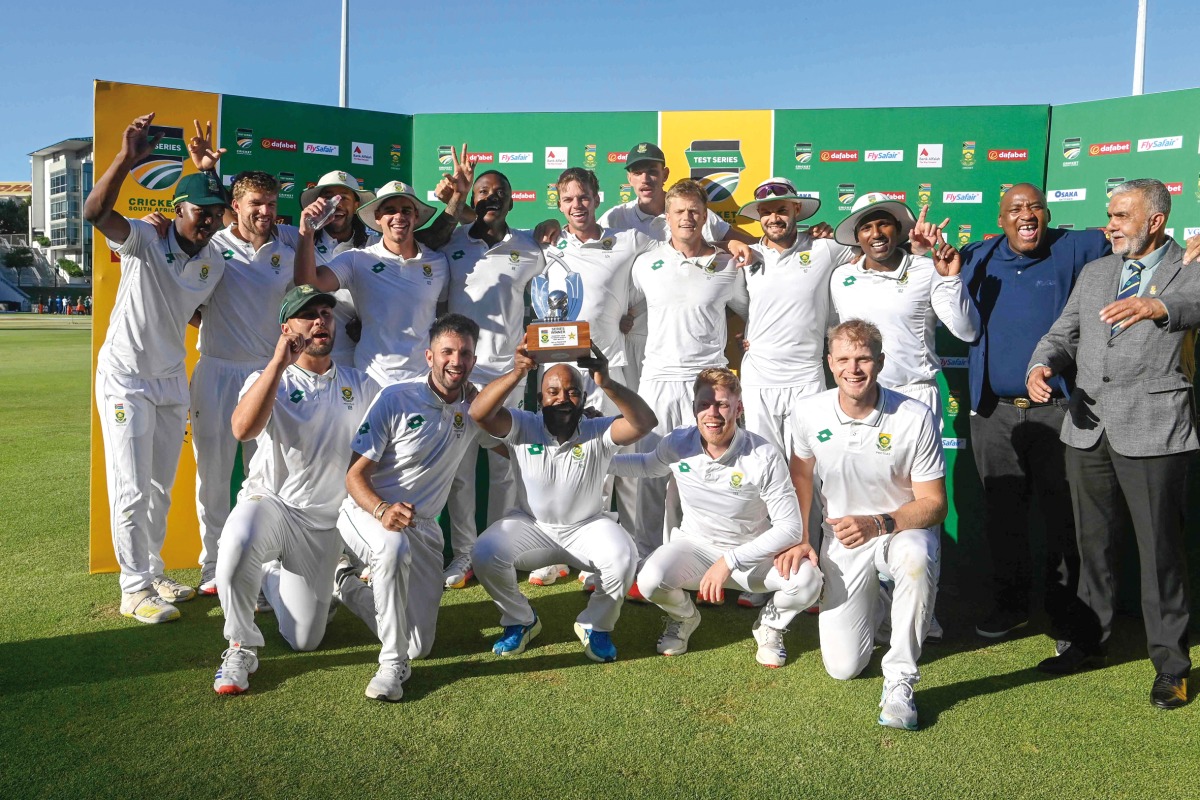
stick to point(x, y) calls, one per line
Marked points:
point(301, 297)
point(644, 151)
point(200, 189)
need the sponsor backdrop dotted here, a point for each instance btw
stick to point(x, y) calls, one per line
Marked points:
point(958, 160)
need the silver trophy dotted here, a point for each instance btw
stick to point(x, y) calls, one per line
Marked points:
point(558, 334)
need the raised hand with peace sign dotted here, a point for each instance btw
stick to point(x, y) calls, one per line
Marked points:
point(200, 148)
point(926, 236)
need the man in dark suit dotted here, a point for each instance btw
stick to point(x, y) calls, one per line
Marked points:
point(1128, 331)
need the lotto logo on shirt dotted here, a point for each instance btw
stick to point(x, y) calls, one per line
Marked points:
point(279, 144)
point(516, 158)
point(296, 396)
point(879, 156)
point(839, 155)
point(1108, 148)
point(416, 422)
point(317, 149)
point(825, 435)
point(1162, 143)
point(1008, 155)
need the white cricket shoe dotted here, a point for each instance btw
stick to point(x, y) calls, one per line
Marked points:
point(146, 606)
point(171, 590)
point(388, 683)
point(674, 639)
point(208, 580)
point(237, 665)
point(897, 707)
point(590, 581)
point(459, 572)
point(771, 652)
point(548, 575)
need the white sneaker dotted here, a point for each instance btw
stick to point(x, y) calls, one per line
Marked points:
point(388, 683)
point(674, 639)
point(262, 605)
point(147, 606)
point(589, 581)
point(171, 590)
point(459, 573)
point(237, 665)
point(897, 707)
point(548, 575)
point(753, 599)
point(208, 580)
point(771, 652)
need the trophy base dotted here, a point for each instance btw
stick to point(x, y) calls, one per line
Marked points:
point(558, 341)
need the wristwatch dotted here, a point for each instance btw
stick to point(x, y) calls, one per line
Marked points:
point(889, 523)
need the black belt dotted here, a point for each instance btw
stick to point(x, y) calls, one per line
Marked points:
point(1024, 402)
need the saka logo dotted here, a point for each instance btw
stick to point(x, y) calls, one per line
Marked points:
point(458, 420)
point(577, 452)
point(884, 444)
point(163, 167)
point(717, 165)
point(296, 396)
point(735, 480)
point(347, 394)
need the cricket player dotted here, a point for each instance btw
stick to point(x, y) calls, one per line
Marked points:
point(398, 286)
point(141, 380)
point(740, 515)
point(561, 459)
point(879, 457)
point(687, 284)
point(491, 265)
point(282, 534)
point(404, 458)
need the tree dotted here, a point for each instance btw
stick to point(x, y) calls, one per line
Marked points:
point(14, 216)
point(70, 267)
point(19, 258)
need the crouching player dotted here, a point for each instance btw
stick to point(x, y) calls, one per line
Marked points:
point(879, 458)
point(303, 411)
point(741, 524)
point(561, 460)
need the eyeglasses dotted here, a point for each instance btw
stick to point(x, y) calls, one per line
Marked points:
point(773, 190)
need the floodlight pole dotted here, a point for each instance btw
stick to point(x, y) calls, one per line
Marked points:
point(344, 96)
point(1139, 49)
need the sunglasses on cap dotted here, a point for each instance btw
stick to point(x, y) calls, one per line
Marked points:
point(773, 190)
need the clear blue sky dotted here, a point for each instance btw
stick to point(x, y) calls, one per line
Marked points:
point(410, 57)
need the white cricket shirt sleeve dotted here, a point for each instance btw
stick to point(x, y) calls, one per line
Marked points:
point(801, 445)
point(141, 233)
point(375, 433)
point(953, 306)
point(715, 228)
point(783, 509)
point(929, 462)
point(342, 267)
point(739, 302)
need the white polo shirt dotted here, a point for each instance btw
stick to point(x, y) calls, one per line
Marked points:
point(488, 284)
point(160, 289)
point(905, 305)
point(743, 501)
point(240, 322)
point(628, 216)
point(867, 466)
point(789, 311)
point(685, 308)
point(303, 451)
point(418, 442)
point(564, 481)
point(604, 266)
point(397, 301)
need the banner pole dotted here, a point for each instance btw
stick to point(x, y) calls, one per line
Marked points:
point(344, 95)
point(1139, 50)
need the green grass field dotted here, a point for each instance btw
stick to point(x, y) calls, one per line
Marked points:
point(93, 705)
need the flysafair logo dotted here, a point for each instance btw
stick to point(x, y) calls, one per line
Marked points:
point(717, 165)
point(884, 443)
point(577, 452)
point(119, 413)
point(845, 192)
point(825, 435)
point(536, 449)
point(514, 257)
point(163, 167)
point(850, 279)
point(626, 192)
point(296, 396)
point(1110, 184)
point(287, 184)
point(589, 156)
point(427, 270)
point(683, 467)
point(347, 394)
point(1071, 148)
point(735, 480)
point(552, 196)
point(924, 193)
point(416, 422)
point(458, 420)
point(964, 235)
point(244, 138)
point(803, 155)
point(968, 154)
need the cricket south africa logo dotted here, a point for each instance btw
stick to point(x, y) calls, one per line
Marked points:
point(717, 164)
point(735, 480)
point(347, 394)
point(163, 167)
point(577, 452)
point(884, 443)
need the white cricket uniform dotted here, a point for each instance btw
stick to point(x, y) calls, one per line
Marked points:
point(740, 507)
point(628, 216)
point(868, 466)
point(397, 301)
point(905, 305)
point(685, 306)
point(564, 485)
point(488, 285)
point(288, 507)
point(142, 391)
point(789, 313)
point(327, 248)
point(418, 441)
point(239, 328)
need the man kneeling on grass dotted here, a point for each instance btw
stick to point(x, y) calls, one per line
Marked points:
point(282, 534)
point(741, 524)
point(561, 460)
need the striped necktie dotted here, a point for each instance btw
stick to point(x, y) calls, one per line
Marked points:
point(1130, 289)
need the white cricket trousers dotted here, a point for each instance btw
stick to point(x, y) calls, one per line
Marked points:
point(518, 542)
point(681, 563)
point(260, 529)
point(623, 490)
point(142, 423)
point(635, 353)
point(401, 604)
point(658, 510)
point(926, 392)
point(851, 605)
point(216, 384)
point(504, 493)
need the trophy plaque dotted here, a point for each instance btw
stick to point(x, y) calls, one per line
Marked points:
point(558, 334)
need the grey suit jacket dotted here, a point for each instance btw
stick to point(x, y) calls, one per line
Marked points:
point(1135, 386)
